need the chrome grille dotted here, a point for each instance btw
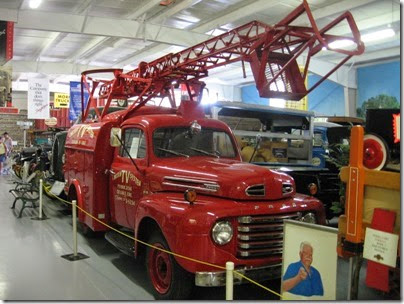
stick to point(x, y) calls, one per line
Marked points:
point(255, 190)
point(261, 235)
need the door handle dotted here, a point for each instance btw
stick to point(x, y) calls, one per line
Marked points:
point(109, 171)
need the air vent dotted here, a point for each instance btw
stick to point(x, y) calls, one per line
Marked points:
point(287, 188)
point(255, 190)
point(191, 183)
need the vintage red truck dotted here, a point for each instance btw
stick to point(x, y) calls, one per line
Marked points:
point(175, 179)
point(237, 215)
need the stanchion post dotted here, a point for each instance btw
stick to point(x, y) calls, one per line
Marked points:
point(74, 214)
point(40, 197)
point(42, 215)
point(75, 256)
point(229, 280)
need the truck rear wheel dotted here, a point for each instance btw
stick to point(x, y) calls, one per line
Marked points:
point(168, 279)
point(376, 152)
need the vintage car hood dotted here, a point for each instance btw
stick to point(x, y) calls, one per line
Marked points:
point(220, 177)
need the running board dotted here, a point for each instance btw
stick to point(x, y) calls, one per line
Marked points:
point(122, 243)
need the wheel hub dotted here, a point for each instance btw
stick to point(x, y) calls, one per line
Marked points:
point(160, 269)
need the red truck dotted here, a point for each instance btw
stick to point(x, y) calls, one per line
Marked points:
point(237, 214)
point(175, 179)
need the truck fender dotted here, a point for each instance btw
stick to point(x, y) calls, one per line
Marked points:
point(78, 195)
point(150, 215)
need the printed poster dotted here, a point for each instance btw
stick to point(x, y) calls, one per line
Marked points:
point(309, 265)
point(38, 98)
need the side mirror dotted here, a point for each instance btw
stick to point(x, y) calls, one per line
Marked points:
point(113, 140)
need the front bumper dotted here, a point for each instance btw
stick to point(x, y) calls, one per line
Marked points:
point(218, 278)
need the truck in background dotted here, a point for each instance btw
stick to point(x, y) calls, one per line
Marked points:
point(289, 141)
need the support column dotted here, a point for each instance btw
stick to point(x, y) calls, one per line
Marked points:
point(350, 101)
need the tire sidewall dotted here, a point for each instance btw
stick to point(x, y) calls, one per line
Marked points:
point(181, 282)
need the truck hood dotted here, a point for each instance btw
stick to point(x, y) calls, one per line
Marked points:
point(220, 177)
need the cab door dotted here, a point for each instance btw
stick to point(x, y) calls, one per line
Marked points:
point(126, 181)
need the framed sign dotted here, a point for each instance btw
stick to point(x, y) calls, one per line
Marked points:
point(309, 267)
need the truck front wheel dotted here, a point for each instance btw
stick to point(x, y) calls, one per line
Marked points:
point(168, 279)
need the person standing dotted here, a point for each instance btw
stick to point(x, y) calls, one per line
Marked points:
point(9, 143)
point(3, 153)
point(300, 277)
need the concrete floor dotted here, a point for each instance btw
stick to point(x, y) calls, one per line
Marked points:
point(31, 267)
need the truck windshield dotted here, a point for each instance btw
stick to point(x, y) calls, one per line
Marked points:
point(175, 142)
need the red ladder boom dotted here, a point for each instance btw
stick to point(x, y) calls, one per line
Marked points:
point(272, 52)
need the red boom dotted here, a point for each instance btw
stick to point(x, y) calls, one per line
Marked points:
point(272, 52)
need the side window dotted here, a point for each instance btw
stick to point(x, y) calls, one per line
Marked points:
point(222, 144)
point(134, 142)
point(318, 140)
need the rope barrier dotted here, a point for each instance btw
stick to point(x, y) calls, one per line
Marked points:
point(164, 250)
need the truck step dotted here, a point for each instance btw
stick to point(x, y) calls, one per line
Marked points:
point(122, 243)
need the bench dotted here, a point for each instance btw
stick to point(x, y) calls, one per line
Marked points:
point(25, 197)
point(26, 193)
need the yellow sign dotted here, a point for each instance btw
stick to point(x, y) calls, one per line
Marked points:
point(61, 100)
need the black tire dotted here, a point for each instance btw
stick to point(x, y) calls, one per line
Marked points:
point(85, 230)
point(58, 151)
point(169, 280)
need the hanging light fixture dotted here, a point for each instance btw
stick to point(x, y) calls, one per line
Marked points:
point(34, 3)
point(378, 35)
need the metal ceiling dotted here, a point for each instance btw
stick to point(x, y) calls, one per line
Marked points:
point(62, 38)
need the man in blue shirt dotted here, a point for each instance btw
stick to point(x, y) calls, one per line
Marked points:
point(301, 278)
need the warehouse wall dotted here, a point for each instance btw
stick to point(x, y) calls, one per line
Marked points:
point(379, 79)
point(249, 94)
point(8, 123)
point(326, 99)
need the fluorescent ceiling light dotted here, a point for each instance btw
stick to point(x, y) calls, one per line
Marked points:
point(338, 44)
point(34, 3)
point(382, 34)
point(216, 32)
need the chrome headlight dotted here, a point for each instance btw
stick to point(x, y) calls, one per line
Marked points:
point(222, 232)
point(309, 218)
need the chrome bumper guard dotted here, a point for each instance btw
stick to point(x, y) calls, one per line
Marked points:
point(218, 278)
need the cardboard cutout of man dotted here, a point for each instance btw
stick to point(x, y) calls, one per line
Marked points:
point(301, 278)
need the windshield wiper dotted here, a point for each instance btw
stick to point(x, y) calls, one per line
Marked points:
point(204, 152)
point(173, 152)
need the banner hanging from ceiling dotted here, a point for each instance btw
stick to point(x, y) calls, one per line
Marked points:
point(75, 99)
point(38, 98)
point(6, 41)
